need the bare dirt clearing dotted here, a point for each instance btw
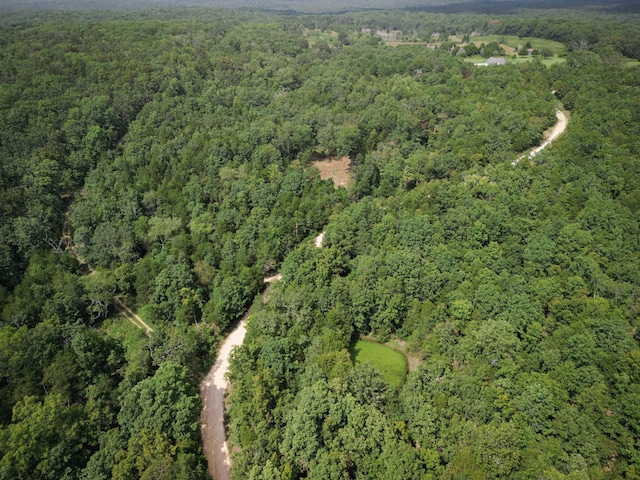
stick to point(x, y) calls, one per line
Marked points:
point(337, 169)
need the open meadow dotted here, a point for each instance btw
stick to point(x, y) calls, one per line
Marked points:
point(391, 363)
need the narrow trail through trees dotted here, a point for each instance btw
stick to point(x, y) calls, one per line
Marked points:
point(131, 316)
point(126, 312)
point(212, 391)
point(555, 132)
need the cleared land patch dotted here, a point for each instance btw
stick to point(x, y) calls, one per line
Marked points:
point(398, 43)
point(512, 41)
point(391, 363)
point(337, 169)
point(317, 35)
point(545, 61)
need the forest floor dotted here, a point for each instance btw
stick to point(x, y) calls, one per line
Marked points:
point(337, 169)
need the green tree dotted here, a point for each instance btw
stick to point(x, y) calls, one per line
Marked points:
point(46, 439)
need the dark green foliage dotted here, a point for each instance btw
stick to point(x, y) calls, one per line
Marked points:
point(505, 281)
point(177, 154)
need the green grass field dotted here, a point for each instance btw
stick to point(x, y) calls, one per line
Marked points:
point(391, 363)
point(513, 41)
point(314, 36)
point(545, 61)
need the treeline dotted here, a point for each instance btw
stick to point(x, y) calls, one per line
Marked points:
point(493, 7)
point(599, 36)
point(584, 32)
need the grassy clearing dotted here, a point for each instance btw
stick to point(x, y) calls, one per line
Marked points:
point(134, 339)
point(632, 62)
point(398, 43)
point(512, 42)
point(316, 35)
point(545, 61)
point(391, 363)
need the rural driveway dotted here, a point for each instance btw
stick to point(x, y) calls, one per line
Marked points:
point(556, 131)
point(212, 389)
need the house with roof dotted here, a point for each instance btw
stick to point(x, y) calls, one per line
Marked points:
point(496, 61)
point(493, 61)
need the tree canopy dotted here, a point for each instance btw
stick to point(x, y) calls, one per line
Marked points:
point(164, 164)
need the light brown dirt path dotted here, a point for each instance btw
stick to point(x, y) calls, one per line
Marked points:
point(126, 312)
point(212, 390)
point(273, 279)
point(555, 132)
point(131, 316)
point(213, 386)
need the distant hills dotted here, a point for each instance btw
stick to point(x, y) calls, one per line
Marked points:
point(312, 6)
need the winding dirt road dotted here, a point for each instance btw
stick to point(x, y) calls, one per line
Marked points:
point(556, 131)
point(212, 389)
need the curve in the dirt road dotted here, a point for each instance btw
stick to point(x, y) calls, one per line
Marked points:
point(212, 390)
point(558, 129)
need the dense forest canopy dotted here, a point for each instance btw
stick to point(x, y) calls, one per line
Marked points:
point(165, 162)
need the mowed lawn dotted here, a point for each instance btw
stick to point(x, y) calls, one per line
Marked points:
point(545, 61)
point(391, 363)
point(513, 41)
